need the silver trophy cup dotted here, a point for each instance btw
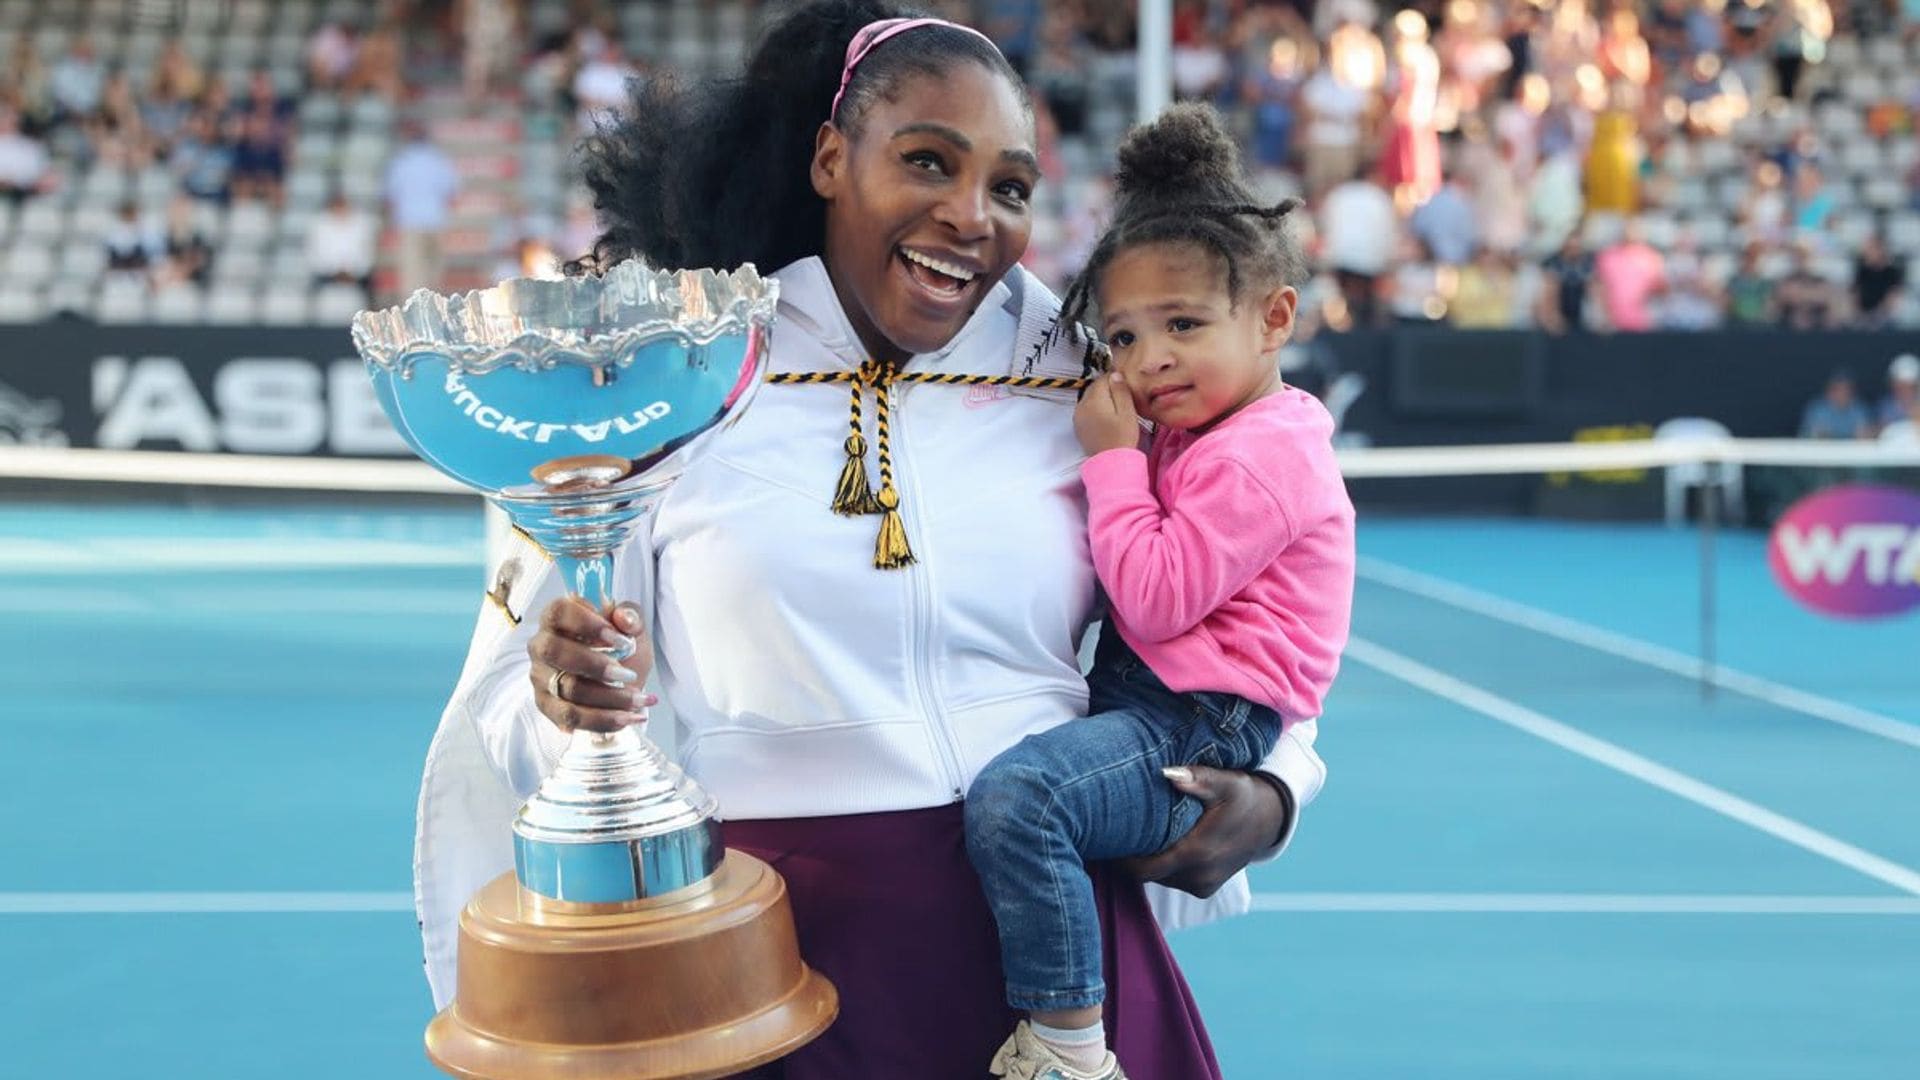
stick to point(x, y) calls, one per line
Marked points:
point(574, 405)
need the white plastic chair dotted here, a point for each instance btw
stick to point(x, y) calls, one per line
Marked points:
point(231, 306)
point(21, 306)
point(1728, 477)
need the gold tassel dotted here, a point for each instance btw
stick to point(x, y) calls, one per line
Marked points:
point(890, 550)
point(854, 495)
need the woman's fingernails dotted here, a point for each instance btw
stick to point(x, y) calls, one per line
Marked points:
point(626, 619)
point(650, 700)
point(642, 700)
point(620, 676)
point(615, 639)
point(1178, 774)
point(635, 718)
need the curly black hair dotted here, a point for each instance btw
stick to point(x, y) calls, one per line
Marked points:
point(1180, 182)
point(718, 173)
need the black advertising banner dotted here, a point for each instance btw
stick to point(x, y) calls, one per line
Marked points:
point(268, 390)
point(248, 390)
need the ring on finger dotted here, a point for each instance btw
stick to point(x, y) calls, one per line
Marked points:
point(555, 685)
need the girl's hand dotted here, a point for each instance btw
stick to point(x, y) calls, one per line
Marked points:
point(577, 682)
point(1244, 817)
point(1105, 418)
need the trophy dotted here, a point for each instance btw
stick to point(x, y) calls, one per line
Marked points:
point(627, 942)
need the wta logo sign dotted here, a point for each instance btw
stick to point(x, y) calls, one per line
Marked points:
point(1850, 551)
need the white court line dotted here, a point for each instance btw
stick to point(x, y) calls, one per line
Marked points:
point(1583, 904)
point(1631, 648)
point(1643, 769)
point(327, 903)
point(165, 554)
point(201, 903)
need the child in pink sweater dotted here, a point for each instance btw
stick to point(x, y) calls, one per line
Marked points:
point(1227, 554)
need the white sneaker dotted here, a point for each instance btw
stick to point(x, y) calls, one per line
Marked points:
point(1024, 1057)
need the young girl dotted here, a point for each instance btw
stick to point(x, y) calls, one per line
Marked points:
point(1227, 555)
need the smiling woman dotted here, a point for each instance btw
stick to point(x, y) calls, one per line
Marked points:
point(838, 704)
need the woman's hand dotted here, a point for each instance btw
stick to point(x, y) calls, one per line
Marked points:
point(1244, 816)
point(577, 682)
point(1105, 418)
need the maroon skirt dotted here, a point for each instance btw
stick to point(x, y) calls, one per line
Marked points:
point(888, 907)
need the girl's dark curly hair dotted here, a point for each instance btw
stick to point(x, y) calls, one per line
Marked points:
point(1180, 182)
point(718, 173)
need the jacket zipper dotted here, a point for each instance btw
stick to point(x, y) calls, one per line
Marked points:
point(920, 669)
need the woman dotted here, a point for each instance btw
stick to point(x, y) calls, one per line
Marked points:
point(835, 709)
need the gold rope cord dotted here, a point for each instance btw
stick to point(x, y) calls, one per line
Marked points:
point(854, 494)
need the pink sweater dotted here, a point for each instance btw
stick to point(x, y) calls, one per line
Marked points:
point(1228, 557)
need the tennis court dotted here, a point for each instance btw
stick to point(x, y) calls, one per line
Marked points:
point(1542, 851)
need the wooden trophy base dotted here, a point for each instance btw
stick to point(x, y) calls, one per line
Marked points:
point(696, 985)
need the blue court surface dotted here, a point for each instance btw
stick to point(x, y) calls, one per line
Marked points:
point(1542, 852)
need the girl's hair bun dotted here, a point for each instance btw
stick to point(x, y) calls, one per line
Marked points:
point(1184, 154)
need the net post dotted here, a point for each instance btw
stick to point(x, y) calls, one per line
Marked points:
point(1710, 494)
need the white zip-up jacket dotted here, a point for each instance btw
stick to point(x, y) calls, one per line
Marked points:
point(802, 680)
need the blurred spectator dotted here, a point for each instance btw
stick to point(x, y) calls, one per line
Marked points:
point(1499, 197)
point(1668, 32)
point(1333, 129)
point(264, 96)
point(488, 30)
point(260, 156)
point(1800, 33)
point(1764, 212)
point(1805, 299)
point(1017, 25)
point(1556, 204)
point(420, 186)
point(1713, 97)
point(1629, 275)
point(600, 87)
point(1613, 163)
point(186, 255)
point(1813, 201)
point(1358, 234)
point(1746, 30)
point(1199, 64)
point(342, 244)
point(1879, 283)
point(1903, 392)
point(78, 80)
point(1411, 166)
point(1447, 224)
point(1516, 123)
point(1472, 60)
point(1420, 289)
point(1750, 301)
point(164, 115)
point(177, 75)
point(116, 134)
point(1623, 55)
point(1836, 413)
point(1272, 91)
point(1566, 284)
point(133, 246)
point(1689, 300)
point(377, 66)
point(330, 56)
point(1059, 73)
point(26, 87)
point(24, 168)
point(1487, 296)
point(203, 160)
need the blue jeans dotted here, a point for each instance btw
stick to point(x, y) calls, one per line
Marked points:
point(1088, 790)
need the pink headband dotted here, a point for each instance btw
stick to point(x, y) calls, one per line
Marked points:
point(870, 37)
